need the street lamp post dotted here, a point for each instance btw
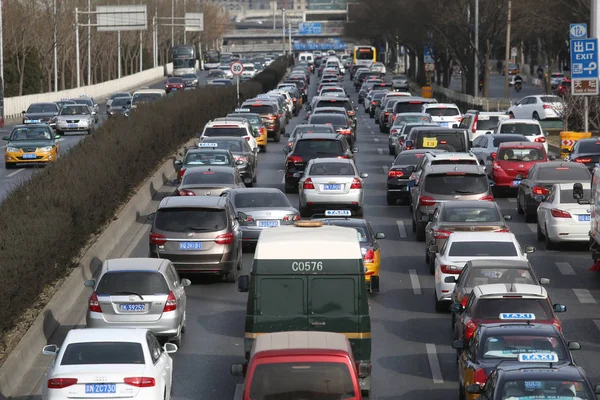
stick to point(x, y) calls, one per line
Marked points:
point(1, 50)
point(89, 43)
point(507, 53)
point(55, 52)
point(283, 30)
point(476, 58)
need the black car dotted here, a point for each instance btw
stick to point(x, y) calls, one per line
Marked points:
point(364, 91)
point(399, 174)
point(190, 81)
point(503, 344)
point(375, 101)
point(246, 159)
point(540, 178)
point(38, 113)
point(586, 152)
point(340, 123)
point(119, 106)
point(339, 102)
point(309, 146)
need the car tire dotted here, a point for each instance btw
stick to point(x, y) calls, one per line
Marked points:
point(371, 115)
point(289, 188)
point(391, 200)
point(277, 137)
point(304, 212)
point(519, 207)
point(9, 165)
point(263, 149)
point(420, 232)
point(432, 265)
point(392, 151)
point(461, 392)
point(376, 120)
point(535, 116)
point(550, 245)
point(254, 177)
point(529, 217)
point(453, 320)
point(540, 235)
point(232, 276)
point(360, 212)
point(427, 256)
point(414, 225)
point(440, 306)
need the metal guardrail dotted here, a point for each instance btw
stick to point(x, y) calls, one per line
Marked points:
point(468, 101)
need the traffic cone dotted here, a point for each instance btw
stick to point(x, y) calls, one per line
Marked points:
point(596, 266)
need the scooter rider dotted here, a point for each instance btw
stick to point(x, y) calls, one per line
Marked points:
point(518, 83)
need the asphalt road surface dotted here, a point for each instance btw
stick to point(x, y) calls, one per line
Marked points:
point(497, 87)
point(412, 353)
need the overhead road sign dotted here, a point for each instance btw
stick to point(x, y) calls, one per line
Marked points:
point(310, 28)
point(121, 18)
point(194, 22)
point(428, 55)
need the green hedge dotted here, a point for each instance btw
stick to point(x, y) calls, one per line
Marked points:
point(48, 219)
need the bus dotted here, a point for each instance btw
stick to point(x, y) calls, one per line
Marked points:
point(364, 55)
point(212, 59)
point(184, 59)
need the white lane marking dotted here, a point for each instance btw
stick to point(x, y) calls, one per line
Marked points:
point(380, 151)
point(16, 172)
point(584, 296)
point(385, 169)
point(376, 140)
point(414, 281)
point(283, 179)
point(372, 133)
point(597, 322)
point(511, 199)
point(434, 363)
point(144, 230)
point(401, 229)
point(565, 268)
point(532, 227)
point(239, 391)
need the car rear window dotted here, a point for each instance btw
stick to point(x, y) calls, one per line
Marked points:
point(454, 161)
point(523, 154)
point(482, 249)
point(564, 174)
point(408, 158)
point(492, 308)
point(521, 129)
point(260, 200)
point(408, 106)
point(313, 129)
point(487, 276)
point(141, 282)
point(566, 196)
point(450, 141)
point(470, 214)
point(253, 119)
point(225, 131)
point(487, 122)
point(87, 353)
point(378, 96)
point(334, 103)
point(331, 168)
point(442, 111)
point(321, 147)
point(509, 346)
point(333, 119)
point(447, 184)
point(408, 119)
point(499, 139)
point(207, 177)
point(207, 158)
point(589, 146)
point(260, 109)
point(190, 219)
point(551, 99)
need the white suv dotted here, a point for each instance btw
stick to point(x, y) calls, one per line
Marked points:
point(481, 122)
point(530, 128)
point(230, 128)
point(442, 158)
point(445, 114)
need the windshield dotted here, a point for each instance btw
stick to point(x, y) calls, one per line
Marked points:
point(141, 282)
point(488, 276)
point(564, 174)
point(521, 129)
point(225, 131)
point(510, 346)
point(190, 219)
point(175, 80)
point(120, 101)
point(447, 184)
point(74, 110)
point(42, 108)
point(520, 154)
point(442, 111)
point(589, 146)
point(123, 94)
point(336, 120)
point(207, 158)
point(546, 389)
point(103, 353)
point(190, 76)
point(482, 249)
point(207, 178)
point(470, 214)
point(261, 200)
point(31, 133)
point(551, 99)
point(405, 158)
point(184, 63)
point(145, 97)
point(332, 168)
point(302, 380)
point(318, 147)
point(215, 72)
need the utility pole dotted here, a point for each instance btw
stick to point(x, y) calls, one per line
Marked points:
point(55, 52)
point(507, 53)
point(476, 55)
point(274, 7)
point(1, 50)
point(184, 30)
point(283, 29)
point(77, 61)
point(290, 36)
point(172, 22)
point(89, 43)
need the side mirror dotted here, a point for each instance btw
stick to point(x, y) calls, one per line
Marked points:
point(237, 369)
point(243, 283)
point(450, 279)
point(56, 136)
point(239, 162)
point(507, 217)
point(178, 163)
point(458, 344)
point(473, 389)
point(364, 175)
point(456, 308)
point(185, 282)
point(170, 348)
point(355, 149)
point(544, 281)
point(519, 177)
point(564, 150)
point(150, 217)
point(50, 350)
point(23, 112)
point(577, 191)
point(529, 249)
point(380, 235)
point(433, 249)
point(242, 216)
point(89, 283)
point(488, 133)
point(6, 138)
point(559, 308)
point(454, 126)
point(410, 168)
point(287, 149)
point(574, 346)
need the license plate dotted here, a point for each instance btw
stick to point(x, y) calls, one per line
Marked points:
point(190, 245)
point(332, 186)
point(268, 224)
point(583, 218)
point(443, 123)
point(29, 156)
point(515, 183)
point(132, 307)
point(31, 121)
point(100, 388)
point(72, 126)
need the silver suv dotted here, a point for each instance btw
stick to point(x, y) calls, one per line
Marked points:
point(199, 234)
point(439, 183)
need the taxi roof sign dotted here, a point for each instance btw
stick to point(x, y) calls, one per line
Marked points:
point(518, 316)
point(208, 145)
point(242, 110)
point(538, 357)
point(338, 213)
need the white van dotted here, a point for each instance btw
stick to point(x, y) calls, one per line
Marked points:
point(306, 57)
point(147, 96)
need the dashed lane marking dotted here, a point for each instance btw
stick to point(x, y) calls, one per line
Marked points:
point(385, 169)
point(584, 296)
point(380, 151)
point(414, 281)
point(565, 268)
point(401, 229)
point(511, 199)
point(376, 140)
point(532, 227)
point(434, 363)
point(15, 172)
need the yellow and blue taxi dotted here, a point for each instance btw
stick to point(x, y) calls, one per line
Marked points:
point(370, 248)
point(31, 143)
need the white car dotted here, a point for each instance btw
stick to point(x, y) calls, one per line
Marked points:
point(561, 218)
point(378, 67)
point(226, 69)
point(249, 71)
point(538, 107)
point(230, 128)
point(109, 364)
point(445, 114)
point(466, 246)
point(530, 128)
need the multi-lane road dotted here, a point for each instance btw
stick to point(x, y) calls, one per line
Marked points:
point(412, 354)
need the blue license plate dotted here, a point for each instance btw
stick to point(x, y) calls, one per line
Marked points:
point(132, 307)
point(72, 126)
point(32, 121)
point(268, 224)
point(29, 156)
point(330, 186)
point(100, 388)
point(190, 245)
point(583, 217)
point(515, 183)
point(443, 123)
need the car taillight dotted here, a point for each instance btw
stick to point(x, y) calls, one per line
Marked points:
point(351, 113)
point(247, 138)
point(94, 304)
point(356, 184)
point(394, 173)
point(308, 184)
point(480, 376)
point(556, 213)
point(394, 117)
point(295, 159)
point(157, 238)
point(540, 190)
point(272, 117)
point(394, 131)
point(140, 381)
point(426, 201)
point(546, 106)
point(495, 165)
point(369, 257)
point(345, 131)
point(583, 160)
point(464, 300)
point(450, 269)
point(241, 158)
point(441, 234)
point(470, 329)
point(291, 217)
point(494, 155)
point(374, 103)
point(540, 139)
point(226, 238)
point(186, 193)
point(487, 198)
point(61, 383)
point(386, 113)
point(502, 230)
point(263, 130)
point(171, 304)
point(474, 129)
point(181, 172)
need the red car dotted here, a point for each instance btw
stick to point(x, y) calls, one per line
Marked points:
point(174, 84)
point(515, 158)
point(563, 88)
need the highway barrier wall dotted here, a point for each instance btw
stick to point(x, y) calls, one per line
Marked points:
point(14, 106)
point(82, 201)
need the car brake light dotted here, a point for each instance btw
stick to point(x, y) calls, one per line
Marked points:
point(171, 304)
point(295, 159)
point(157, 238)
point(140, 381)
point(181, 172)
point(470, 329)
point(374, 103)
point(480, 376)
point(226, 238)
point(94, 304)
point(546, 106)
point(441, 235)
point(540, 139)
point(394, 173)
point(291, 217)
point(247, 138)
point(487, 198)
point(386, 113)
point(356, 184)
point(502, 230)
point(345, 131)
point(394, 131)
point(556, 213)
point(474, 129)
point(583, 160)
point(186, 193)
point(464, 301)
point(540, 190)
point(494, 155)
point(394, 117)
point(272, 117)
point(369, 257)
point(308, 184)
point(426, 201)
point(61, 383)
point(450, 269)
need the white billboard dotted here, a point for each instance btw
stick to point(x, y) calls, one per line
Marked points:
point(121, 18)
point(194, 22)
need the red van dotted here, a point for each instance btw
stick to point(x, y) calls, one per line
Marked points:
point(300, 364)
point(515, 158)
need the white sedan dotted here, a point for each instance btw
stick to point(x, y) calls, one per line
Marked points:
point(561, 218)
point(538, 107)
point(109, 364)
point(462, 247)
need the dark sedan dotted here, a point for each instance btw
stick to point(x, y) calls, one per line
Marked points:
point(241, 151)
point(190, 81)
point(399, 174)
point(38, 113)
point(586, 152)
point(119, 106)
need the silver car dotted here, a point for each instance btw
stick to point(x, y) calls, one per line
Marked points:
point(261, 208)
point(142, 293)
point(75, 118)
point(209, 181)
point(91, 103)
point(328, 183)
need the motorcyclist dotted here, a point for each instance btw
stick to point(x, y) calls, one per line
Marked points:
point(540, 72)
point(518, 83)
point(499, 66)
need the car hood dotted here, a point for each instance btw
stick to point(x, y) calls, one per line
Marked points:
point(26, 144)
point(71, 117)
point(39, 115)
point(119, 109)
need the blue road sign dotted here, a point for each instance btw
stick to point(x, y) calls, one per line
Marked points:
point(578, 31)
point(584, 58)
point(310, 28)
point(428, 55)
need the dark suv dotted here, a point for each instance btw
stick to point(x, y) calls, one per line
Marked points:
point(311, 146)
point(270, 116)
point(338, 102)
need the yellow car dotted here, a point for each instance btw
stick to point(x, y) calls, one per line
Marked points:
point(261, 140)
point(31, 143)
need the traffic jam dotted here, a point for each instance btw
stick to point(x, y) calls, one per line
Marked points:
point(309, 249)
